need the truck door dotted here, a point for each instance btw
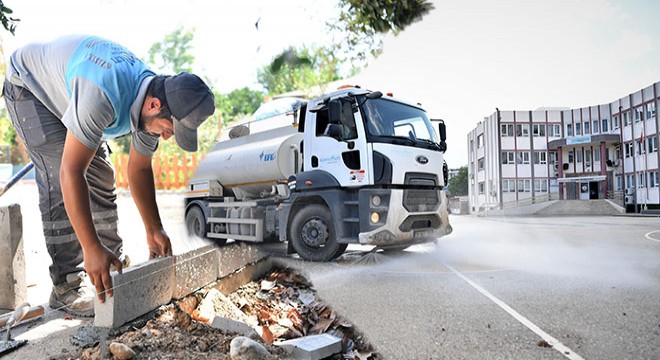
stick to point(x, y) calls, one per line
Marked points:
point(336, 143)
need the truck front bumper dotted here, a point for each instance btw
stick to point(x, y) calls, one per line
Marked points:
point(401, 226)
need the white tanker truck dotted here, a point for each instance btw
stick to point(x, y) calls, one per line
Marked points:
point(353, 167)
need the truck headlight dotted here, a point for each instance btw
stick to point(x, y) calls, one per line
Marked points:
point(375, 218)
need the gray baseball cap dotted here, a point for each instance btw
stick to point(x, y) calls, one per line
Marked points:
point(191, 103)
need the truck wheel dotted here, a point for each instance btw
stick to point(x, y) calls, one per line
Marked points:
point(313, 234)
point(196, 222)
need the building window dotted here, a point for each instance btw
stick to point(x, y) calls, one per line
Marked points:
point(628, 149)
point(507, 129)
point(650, 110)
point(522, 130)
point(587, 156)
point(541, 185)
point(595, 128)
point(640, 148)
point(523, 157)
point(619, 183)
point(538, 130)
point(569, 130)
point(540, 157)
point(626, 118)
point(578, 155)
point(653, 179)
point(554, 130)
point(482, 188)
point(508, 157)
point(553, 157)
point(586, 128)
point(652, 144)
point(571, 156)
point(616, 122)
point(629, 181)
point(641, 179)
point(578, 129)
point(508, 185)
point(604, 122)
point(596, 155)
point(480, 141)
point(480, 164)
point(638, 114)
point(524, 185)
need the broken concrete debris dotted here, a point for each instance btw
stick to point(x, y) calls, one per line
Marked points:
point(312, 347)
point(243, 348)
point(120, 351)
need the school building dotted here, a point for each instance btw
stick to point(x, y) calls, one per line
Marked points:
point(607, 151)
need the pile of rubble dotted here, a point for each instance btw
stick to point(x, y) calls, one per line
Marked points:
point(252, 322)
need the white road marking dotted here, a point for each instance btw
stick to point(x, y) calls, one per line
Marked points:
point(563, 349)
point(648, 235)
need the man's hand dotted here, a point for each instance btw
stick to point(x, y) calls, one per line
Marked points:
point(97, 265)
point(159, 243)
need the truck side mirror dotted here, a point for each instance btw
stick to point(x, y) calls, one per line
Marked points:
point(334, 112)
point(442, 129)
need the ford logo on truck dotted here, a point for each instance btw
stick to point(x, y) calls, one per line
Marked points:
point(422, 159)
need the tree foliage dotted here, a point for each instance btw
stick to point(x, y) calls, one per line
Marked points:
point(239, 103)
point(173, 54)
point(299, 68)
point(8, 22)
point(363, 23)
point(458, 185)
point(360, 25)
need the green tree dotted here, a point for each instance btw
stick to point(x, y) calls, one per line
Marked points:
point(363, 22)
point(237, 104)
point(173, 54)
point(458, 185)
point(299, 69)
point(8, 22)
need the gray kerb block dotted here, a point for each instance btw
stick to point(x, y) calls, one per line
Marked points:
point(194, 270)
point(236, 256)
point(313, 347)
point(12, 258)
point(137, 291)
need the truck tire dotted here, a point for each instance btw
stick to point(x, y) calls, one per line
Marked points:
point(196, 222)
point(313, 234)
point(197, 226)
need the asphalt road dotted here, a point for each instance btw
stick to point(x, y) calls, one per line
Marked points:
point(509, 288)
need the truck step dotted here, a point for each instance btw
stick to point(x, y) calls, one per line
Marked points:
point(348, 240)
point(233, 204)
point(351, 220)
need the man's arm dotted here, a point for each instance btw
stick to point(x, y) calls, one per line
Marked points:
point(141, 183)
point(75, 192)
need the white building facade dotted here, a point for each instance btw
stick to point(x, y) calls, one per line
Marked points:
point(596, 152)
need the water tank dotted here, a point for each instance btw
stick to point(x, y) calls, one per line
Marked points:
point(251, 165)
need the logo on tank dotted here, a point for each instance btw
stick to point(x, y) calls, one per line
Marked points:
point(266, 157)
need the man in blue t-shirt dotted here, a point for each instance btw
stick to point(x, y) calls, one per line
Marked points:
point(68, 97)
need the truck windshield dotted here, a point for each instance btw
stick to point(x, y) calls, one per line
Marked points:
point(387, 119)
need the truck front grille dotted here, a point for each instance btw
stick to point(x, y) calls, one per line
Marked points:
point(421, 194)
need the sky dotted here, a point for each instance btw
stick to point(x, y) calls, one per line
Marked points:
point(460, 62)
